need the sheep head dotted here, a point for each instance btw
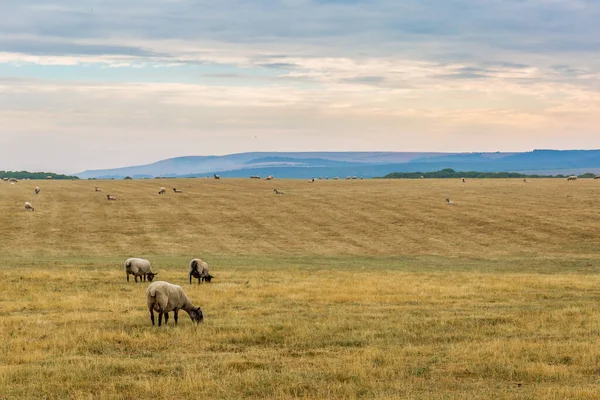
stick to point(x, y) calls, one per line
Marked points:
point(151, 276)
point(196, 315)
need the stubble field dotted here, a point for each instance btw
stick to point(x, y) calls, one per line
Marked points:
point(337, 289)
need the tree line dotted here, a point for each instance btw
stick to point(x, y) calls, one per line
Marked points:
point(450, 173)
point(34, 175)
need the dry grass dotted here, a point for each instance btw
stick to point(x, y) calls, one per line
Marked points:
point(347, 289)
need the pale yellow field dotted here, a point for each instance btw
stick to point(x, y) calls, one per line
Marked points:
point(338, 289)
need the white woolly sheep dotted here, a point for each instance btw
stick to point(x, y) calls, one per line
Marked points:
point(109, 197)
point(164, 297)
point(162, 190)
point(199, 269)
point(217, 176)
point(597, 177)
point(37, 190)
point(177, 190)
point(139, 267)
point(278, 191)
point(28, 206)
point(97, 189)
point(572, 178)
point(450, 202)
point(269, 178)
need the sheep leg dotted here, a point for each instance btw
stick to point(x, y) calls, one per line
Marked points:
point(135, 277)
point(175, 311)
point(127, 277)
point(160, 315)
point(166, 317)
point(152, 316)
point(190, 279)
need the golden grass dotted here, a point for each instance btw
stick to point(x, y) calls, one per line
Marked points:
point(339, 289)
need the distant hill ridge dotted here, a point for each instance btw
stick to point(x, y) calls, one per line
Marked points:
point(367, 164)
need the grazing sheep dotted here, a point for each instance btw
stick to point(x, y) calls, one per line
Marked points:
point(177, 190)
point(450, 202)
point(13, 180)
point(463, 180)
point(278, 191)
point(355, 177)
point(348, 178)
point(162, 190)
point(254, 176)
point(525, 180)
point(28, 206)
point(597, 177)
point(312, 180)
point(37, 190)
point(326, 178)
point(422, 177)
point(335, 178)
point(572, 178)
point(97, 189)
point(269, 178)
point(109, 197)
point(199, 270)
point(217, 176)
point(164, 297)
point(49, 177)
point(139, 267)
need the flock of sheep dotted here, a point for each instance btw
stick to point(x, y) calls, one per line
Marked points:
point(164, 297)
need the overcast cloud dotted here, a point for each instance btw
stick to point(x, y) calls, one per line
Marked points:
point(109, 83)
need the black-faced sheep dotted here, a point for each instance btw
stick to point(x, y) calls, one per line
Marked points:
point(162, 190)
point(28, 206)
point(572, 178)
point(37, 190)
point(177, 190)
point(164, 297)
point(97, 189)
point(199, 269)
point(109, 197)
point(450, 202)
point(139, 267)
point(217, 176)
point(278, 191)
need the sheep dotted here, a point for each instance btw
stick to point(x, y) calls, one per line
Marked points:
point(335, 178)
point(139, 267)
point(597, 177)
point(348, 178)
point(422, 177)
point(354, 177)
point(28, 206)
point(37, 190)
point(49, 177)
point(572, 178)
point(326, 178)
point(109, 197)
point(312, 180)
point(525, 180)
point(278, 191)
point(269, 178)
point(463, 180)
point(254, 176)
point(164, 297)
point(217, 177)
point(450, 202)
point(177, 190)
point(199, 270)
point(13, 180)
point(97, 189)
point(162, 190)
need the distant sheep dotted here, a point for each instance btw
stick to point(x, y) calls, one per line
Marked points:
point(463, 180)
point(597, 177)
point(199, 269)
point(162, 190)
point(109, 197)
point(139, 267)
point(164, 297)
point(28, 206)
point(269, 178)
point(37, 190)
point(312, 180)
point(13, 180)
point(355, 177)
point(217, 176)
point(278, 191)
point(572, 178)
point(254, 176)
point(450, 202)
point(525, 180)
point(97, 189)
point(335, 178)
point(49, 177)
point(177, 190)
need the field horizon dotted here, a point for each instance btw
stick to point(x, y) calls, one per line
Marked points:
point(336, 289)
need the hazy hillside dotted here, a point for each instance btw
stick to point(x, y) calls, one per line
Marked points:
point(367, 164)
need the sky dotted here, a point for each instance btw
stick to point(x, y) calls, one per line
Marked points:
point(110, 83)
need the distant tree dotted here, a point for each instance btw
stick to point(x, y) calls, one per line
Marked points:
point(128, 177)
point(587, 175)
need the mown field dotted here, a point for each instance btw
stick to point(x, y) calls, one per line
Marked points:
point(337, 289)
